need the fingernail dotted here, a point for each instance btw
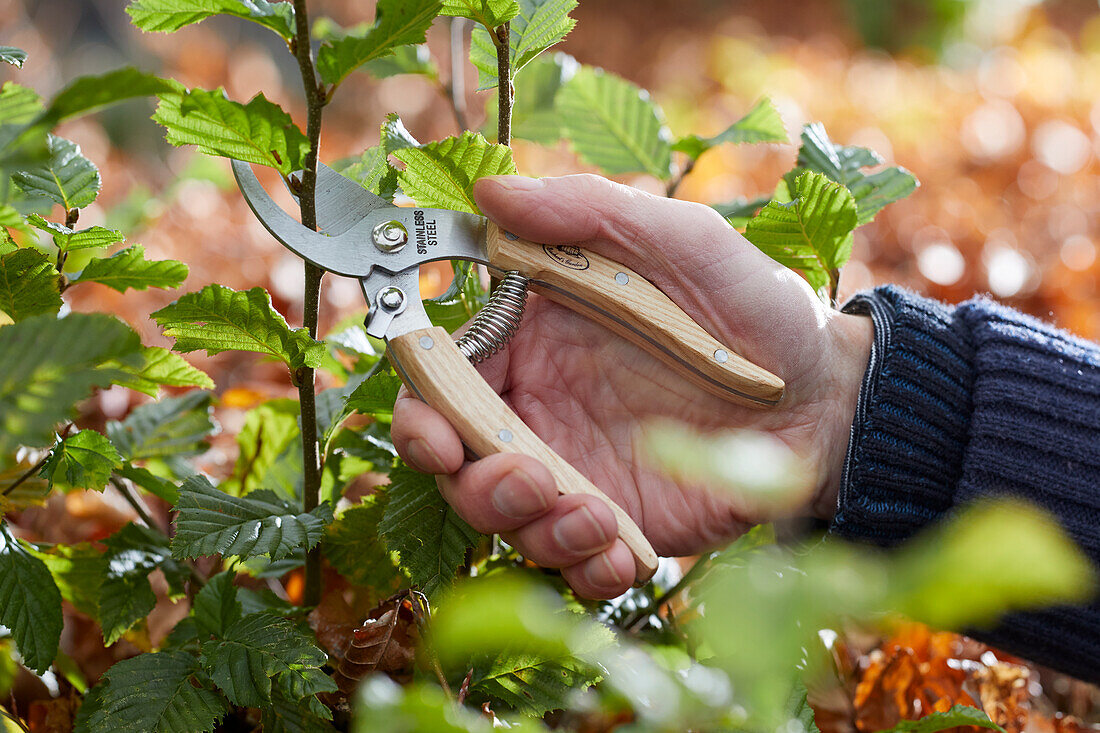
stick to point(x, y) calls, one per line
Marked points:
point(424, 456)
point(518, 496)
point(517, 183)
point(601, 573)
point(578, 531)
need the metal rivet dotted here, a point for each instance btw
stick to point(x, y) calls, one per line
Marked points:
point(391, 298)
point(390, 236)
point(622, 278)
point(721, 356)
point(426, 342)
point(505, 435)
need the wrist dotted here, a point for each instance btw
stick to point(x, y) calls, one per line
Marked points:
point(851, 337)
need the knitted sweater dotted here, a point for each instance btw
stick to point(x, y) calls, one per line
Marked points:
point(978, 400)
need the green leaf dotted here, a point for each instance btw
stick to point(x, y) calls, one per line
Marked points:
point(462, 299)
point(813, 233)
point(533, 115)
point(284, 714)
point(844, 164)
point(65, 176)
point(78, 572)
point(739, 211)
point(397, 23)
point(70, 240)
point(269, 436)
point(383, 706)
point(958, 716)
point(28, 284)
point(12, 55)
point(762, 124)
point(213, 522)
point(798, 707)
point(174, 426)
point(372, 171)
point(47, 365)
point(489, 13)
point(30, 604)
point(355, 548)
point(88, 93)
point(18, 104)
point(531, 684)
point(375, 396)
point(83, 460)
point(146, 479)
point(613, 124)
point(219, 319)
point(155, 693)
point(216, 606)
point(129, 269)
point(160, 367)
point(539, 25)
point(257, 132)
point(166, 16)
point(411, 59)
point(253, 650)
point(424, 530)
point(441, 174)
point(125, 596)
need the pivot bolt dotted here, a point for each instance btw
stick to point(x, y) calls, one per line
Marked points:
point(391, 298)
point(390, 236)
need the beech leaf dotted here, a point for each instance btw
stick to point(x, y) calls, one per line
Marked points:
point(128, 269)
point(441, 174)
point(28, 284)
point(397, 23)
point(30, 604)
point(537, 26)
point(166, 16)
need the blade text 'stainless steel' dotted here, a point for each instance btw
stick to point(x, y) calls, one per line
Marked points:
point(382, 245)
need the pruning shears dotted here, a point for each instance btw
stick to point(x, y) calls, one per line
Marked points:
point(366, 237)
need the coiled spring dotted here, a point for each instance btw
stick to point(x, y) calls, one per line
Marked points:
point(496, 323)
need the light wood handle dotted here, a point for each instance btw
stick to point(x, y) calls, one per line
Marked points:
point(435, 370)
point(633, 307)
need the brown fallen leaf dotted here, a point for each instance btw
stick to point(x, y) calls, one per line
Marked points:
point(386, 642)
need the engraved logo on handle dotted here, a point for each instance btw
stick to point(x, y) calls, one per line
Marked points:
point(570, 257)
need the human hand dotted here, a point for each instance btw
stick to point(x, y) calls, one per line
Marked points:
point(584, 390)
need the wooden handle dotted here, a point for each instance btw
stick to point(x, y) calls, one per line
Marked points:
point(633, 307)
point(435, 370)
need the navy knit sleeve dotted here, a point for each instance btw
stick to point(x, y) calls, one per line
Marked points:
point(978, 400)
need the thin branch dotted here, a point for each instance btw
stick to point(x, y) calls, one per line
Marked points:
point(36, 467)
point(674, 184)
point(688, 578)
point(305, 378)
point(834, 287)
point(456, 89)
point(138, 506)
point(505, 90)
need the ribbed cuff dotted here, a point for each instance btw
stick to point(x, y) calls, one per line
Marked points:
point(909, 435)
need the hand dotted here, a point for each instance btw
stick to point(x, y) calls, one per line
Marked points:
point(584, 390)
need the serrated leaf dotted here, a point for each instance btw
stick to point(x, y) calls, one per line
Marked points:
point(84, 460)
point(372, 171)
point(18, 104)
point(376, 395)
point(397, 23)
point(533, 115)
point(216, 606)
point(531, 684)
point(28, 284)
point(125, 596)
point(441, 174)
point(65, 176)
point(462, 299)
point(411, 59)
point(286, 715)
point(762, 124)
point(174, 426)
point(70, 240)
point(146, 479)
point(88, 93)
point(613, 124)
point(539, 25)
point(270, 435)
point(129, 269)
point(12, 55)
point(78, 572)
point(488, 13)
point(219, 319)
point(160, 367)
point(253, 650)
point(958, 716)
point(798, 707)
point(47, 365)
point(257, 132)
point(30, 604)
point(424, 530)
point(166, 16)
point(813, 233)
point(154, 693)
point(844, 165)
point(356, 549)
point(212, 522)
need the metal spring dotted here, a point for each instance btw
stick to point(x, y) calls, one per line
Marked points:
point(497, 322)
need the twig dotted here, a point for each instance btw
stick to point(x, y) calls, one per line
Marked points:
point(36, 467)
point(674, 184)
point(305, 378)
point(834, 287)
point(504, 84)
point(456, 90)
point(14, 719)
point(464, 690)
point(138, 506)
point(689, 577)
